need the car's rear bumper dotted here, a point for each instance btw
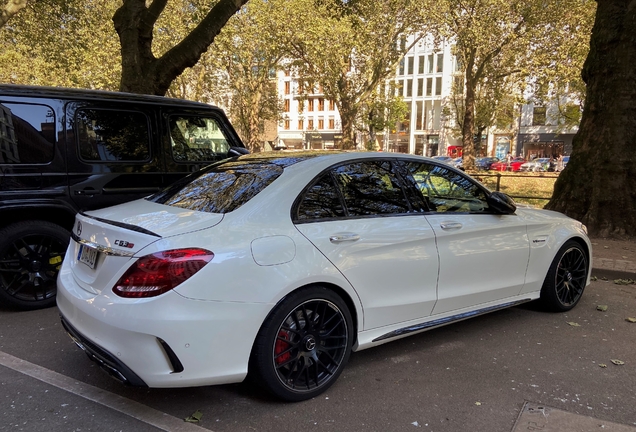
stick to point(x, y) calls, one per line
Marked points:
point(165, 341)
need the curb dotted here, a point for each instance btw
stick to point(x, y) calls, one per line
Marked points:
point(612, 274)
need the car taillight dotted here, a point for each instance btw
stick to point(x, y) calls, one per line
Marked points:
point(160, 272)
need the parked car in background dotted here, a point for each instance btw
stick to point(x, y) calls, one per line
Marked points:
point(514, 165)
point(458, 163)
point(444, 159)
point(279, 265)
point(68, 150)
point(536, 165)
point(484, 163)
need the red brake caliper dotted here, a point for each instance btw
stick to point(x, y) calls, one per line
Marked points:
point(280, 347)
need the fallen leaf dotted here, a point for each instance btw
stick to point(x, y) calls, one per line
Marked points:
point(604, 278)
point(573, 324)
point(630, 319)
point(603, 365)
point(477, 403)
point(624, 257)
point(593, 278)
point(624, 281)
point(618, 362)
point(416, 424)
point(606, 247)
point(194, 418)
point(601, 308)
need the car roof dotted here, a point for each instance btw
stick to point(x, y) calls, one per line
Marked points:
point(87, 94)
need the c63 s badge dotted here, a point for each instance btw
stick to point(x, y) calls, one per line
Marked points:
point(124, 243)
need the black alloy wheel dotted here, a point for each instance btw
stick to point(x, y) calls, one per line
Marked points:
point(566, 279)
point(304, 345)
point(31, 255)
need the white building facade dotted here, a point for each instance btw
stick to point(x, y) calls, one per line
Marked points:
point(424, 79)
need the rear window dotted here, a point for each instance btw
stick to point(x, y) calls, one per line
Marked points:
point(220, 188)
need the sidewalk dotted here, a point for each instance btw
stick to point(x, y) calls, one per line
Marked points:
point(613, 259)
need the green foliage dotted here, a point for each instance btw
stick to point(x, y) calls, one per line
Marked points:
point(61, 43)
point(351, 48)
point(500, 44)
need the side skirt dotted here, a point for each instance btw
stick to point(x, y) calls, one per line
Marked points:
point(447, 320)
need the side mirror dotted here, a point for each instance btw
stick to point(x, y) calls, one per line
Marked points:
point(501, 203)
point(237, 151)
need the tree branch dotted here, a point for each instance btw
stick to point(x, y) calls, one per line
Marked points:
point(10, 9)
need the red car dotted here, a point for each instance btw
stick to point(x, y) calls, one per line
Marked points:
point(514, 165)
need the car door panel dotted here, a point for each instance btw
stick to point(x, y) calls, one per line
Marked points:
point(483, 258)
point(390, 261)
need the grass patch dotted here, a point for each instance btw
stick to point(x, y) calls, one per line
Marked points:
point(527, 188)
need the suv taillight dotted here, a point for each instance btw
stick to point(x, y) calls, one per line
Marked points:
point(160, 272)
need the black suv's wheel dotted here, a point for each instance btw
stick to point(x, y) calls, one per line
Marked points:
point(31, 254)
point(566, 278)
point(303, 345)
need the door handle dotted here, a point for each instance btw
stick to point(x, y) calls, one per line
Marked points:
point(344, 237)
point(450, 225)
point(87, 192)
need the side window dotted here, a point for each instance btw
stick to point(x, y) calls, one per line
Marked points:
point(108, 135)
point(321, 201)
point(445, 190)
point(370, 188)
point(197, 139)
point(27, 133)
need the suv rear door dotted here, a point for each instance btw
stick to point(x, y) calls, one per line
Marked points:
point(111, 152)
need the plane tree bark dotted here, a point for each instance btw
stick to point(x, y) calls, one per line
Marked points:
point(598, 186)
point(142, 71)
point(8, 10)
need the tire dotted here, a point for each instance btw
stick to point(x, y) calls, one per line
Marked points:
point(303, 345)
point(565, 282)
point(31, 254)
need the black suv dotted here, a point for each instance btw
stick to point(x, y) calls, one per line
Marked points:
point(67, 150)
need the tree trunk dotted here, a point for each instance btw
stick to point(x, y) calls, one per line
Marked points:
point(347, 118)
point(468, 127)
point(142, 72)
point(598, 186)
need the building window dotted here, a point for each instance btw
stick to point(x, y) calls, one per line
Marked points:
point(332, 105)
point(287, 87)
point(310, 102)
point(286, 124)
point(429, 86)
point(420, 65)
point(287, 72)
point(440, 63)
point(538, 116)
point(409, 88)
point(301, 124)
point(300, 106)
point(401, 67)
point(420, 86)
point(332, 123)
point(429, 69)
point(409, 69)
point(310, 124)
point(399, 85)
point(286, 105)
point(438, 86)
point(321, 123)
point(321, 104)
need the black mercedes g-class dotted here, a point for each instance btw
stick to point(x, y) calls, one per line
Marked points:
point(67, 150)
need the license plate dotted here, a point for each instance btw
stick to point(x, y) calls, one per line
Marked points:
point(87, 255)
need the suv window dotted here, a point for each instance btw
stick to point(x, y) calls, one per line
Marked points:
point(107, 135)
point(220, 188)
point(27, 133)
point(197, 139)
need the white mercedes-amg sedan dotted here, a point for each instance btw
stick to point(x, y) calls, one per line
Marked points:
point(280, 265)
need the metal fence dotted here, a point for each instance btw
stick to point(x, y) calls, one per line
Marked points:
point(497, 183)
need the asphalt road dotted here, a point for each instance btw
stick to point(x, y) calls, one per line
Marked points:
point(483, 374)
